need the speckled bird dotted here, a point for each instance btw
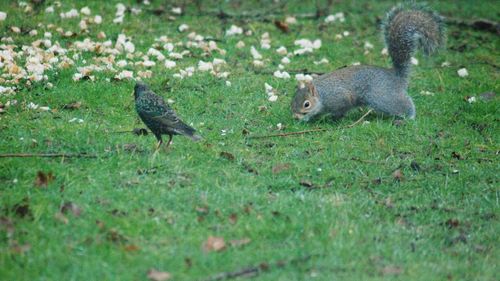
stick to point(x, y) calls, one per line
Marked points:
point(158, 116)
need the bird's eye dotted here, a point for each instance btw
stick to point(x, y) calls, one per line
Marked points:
point(307, 104)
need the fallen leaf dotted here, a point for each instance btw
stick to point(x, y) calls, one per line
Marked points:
point(452, 223)
point(264, 266)
point(72, 105)
point(248, 208)
point(130, 147)
point(456, 155)
point(7, 225)
point(306, 183)
point(391, 270)
point(61, 217)
point(283, 26)
point(114, 236)
point(213, 243)
point(156, 275)
point(397, 175)
point(280, 168)
point(239, 242)
point(227, 155)
point(233, 218)
point(202, 210)
point(131, 248)
point(42, 179)
point(20, 249)
point(71, 207)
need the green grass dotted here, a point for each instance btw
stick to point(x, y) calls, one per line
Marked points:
point(439, 222)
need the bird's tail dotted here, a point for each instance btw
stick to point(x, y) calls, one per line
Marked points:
point(407, 27)
point(188, 131)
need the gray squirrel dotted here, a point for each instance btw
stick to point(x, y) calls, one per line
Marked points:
point(385, 90)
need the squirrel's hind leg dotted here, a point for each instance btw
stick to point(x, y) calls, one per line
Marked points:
point(396, 104)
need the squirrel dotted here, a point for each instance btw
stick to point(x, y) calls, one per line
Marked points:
point(405, 28)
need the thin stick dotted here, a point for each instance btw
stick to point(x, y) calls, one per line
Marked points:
point(252, 271)
point(360, 119)
point(53, 155)
point(287, 134)
point(308, 131)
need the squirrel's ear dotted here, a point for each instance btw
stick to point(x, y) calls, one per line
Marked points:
point(312, 89)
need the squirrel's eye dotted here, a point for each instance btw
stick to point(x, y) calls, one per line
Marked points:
point(307, 104)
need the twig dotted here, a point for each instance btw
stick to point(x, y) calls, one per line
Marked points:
point(287, 134)
point(308, 131)
point(254, 270)
point(360, 119)
point(65, 155)
point(135, 131)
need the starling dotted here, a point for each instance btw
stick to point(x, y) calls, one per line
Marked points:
point(158, 116)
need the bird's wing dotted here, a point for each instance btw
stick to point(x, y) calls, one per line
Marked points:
point(161, 112)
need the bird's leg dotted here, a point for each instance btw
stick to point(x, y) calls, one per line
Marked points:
point(159, 144)
point(160, 141)
point(169, 140)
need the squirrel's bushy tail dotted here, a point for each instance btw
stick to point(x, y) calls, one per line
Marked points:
point(407, 27)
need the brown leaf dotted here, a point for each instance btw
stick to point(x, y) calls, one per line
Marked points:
point(7, 225)
point(227, 155)
point(20, 249)
point(391, 270)
point(306, 183)
point(202, 210)
point(61, 217)
point(130, 147)
point(42, 179)
point(283, 26)
point(452, 223)
point(114, 236)
point(239, 242)
point(456, 155)
point(233, 218)
point(71, 207)
point(213, 243)
point(156, 275)
point(280, 168)
point(398, 175)
point(73, 105)
point(100, 224)
point(131, 248)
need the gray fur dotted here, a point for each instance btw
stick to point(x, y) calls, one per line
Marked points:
point(408, 26)
point(384, 90)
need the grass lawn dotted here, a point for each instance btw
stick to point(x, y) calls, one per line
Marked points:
point(417, 200)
